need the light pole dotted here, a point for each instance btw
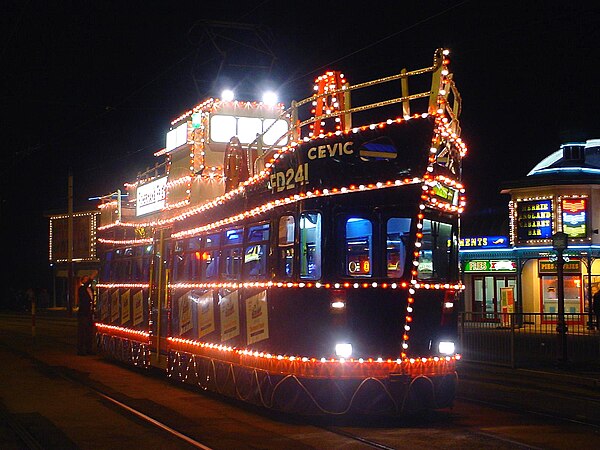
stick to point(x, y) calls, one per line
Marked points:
point(560, 243)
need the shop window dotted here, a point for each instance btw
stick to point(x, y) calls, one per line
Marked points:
point(398, 233)
point(359, 247)
point(310, 245)
point(572, 294)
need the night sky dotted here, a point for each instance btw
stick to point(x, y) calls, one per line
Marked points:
point(93, 86)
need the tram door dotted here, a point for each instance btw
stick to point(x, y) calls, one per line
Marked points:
point(159, 300)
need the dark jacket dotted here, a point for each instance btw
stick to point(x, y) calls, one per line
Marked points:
point(85, 300)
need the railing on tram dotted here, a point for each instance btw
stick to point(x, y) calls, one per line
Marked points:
point(527, 339)
point(451, 103)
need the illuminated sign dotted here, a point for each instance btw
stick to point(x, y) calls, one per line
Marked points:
point(574, 217)
point(484, 265)
point(445, 192)
point(534, 220)
point(483, 242)
point(83, 239)
point(546, 266)
point(359, 267)
point(177, 137)
point(151, 196)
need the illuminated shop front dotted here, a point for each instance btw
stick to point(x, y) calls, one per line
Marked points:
point(489, 274)
point(562, 193)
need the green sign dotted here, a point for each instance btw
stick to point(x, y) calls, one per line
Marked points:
point(446, 193)
point(486, 265)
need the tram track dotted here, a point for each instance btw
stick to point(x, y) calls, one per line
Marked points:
point(32, 442)
point(24, 438)
point(362, 434)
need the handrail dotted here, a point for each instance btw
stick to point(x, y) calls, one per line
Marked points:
point(452, 111)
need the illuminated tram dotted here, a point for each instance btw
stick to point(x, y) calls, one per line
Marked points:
point(304, 265)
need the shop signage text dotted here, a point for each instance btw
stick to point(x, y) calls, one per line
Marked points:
point(485, 265)
point(534, 220)
point(546, 266)
point(483, 242)
point(574, 215)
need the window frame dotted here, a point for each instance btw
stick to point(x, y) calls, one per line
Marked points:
point(318, 250)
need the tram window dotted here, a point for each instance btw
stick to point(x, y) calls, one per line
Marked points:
point(188, 266)
point(255, 261)
point(210, 264)
point(194, 264)
point(310, 245)
point(255, 255)
point(436, 253)
point(398, 230)
point(285, 244)
point(359, 247)
point(258, 233)
point(138, 264)
point(210, 257)
point(212, 241)
point(123, 270)
point(233, 237)
point(193, 259)
point(146, 258)
point(194, 244)
point(178, 262)
point(106, 267)
point(232, 263)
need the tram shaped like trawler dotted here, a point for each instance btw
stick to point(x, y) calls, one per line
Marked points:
point(304, 265)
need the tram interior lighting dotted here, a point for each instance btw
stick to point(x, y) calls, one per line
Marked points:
point(446, 347)
point(343, 350)
point(227, 95)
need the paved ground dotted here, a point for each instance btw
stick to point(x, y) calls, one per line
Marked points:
point(67, 415)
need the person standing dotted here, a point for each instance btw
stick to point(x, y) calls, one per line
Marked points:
point(85, 321)
point(596, 307)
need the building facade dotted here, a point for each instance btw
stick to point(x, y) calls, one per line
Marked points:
point(517, 272)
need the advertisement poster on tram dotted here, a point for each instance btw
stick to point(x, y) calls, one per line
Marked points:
point(185, 312)
point(138, 308)
point(507, 303)
point(114, 306)
point(230, 315)
point(126, 306)
point(257, 319)
point(104, 307)
point(206, 314)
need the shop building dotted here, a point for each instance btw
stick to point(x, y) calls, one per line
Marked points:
point(69, 265)
point(513, 269)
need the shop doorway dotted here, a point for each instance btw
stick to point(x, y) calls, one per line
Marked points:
point(487, 294)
